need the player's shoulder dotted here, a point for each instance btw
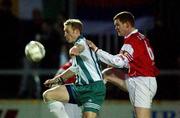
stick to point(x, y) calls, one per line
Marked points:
point(135, 38)
point(80, 39)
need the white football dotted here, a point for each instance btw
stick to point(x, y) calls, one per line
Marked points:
point(35, 51)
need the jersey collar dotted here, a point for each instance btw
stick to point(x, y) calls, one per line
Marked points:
point(78, 38)
point(134, 31)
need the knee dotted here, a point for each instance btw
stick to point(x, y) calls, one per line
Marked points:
point(46, 96)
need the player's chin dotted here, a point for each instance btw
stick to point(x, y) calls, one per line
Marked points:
point(119, 34)
point(69, 40)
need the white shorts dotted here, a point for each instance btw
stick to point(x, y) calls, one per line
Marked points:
point(141, 90)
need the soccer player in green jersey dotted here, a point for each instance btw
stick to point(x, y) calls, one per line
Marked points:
point(89, 90)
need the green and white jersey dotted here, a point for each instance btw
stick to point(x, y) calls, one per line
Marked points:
point(86, 65)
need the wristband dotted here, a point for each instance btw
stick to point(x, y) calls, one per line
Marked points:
point(61, 80)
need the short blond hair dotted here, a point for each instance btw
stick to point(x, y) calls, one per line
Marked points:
point(75, 23)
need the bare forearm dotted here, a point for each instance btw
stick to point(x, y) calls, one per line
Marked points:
point(65, 75)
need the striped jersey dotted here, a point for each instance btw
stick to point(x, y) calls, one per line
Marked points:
point(85, 65)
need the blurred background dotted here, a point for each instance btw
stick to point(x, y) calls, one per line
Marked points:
point(24, 20)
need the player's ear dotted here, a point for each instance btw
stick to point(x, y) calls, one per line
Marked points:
point(128, 24)
point(76, 31)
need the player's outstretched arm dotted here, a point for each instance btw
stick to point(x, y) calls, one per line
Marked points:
point(60, 78)
point(118, 61)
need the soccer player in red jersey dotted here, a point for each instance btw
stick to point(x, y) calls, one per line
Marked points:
point(137, 55)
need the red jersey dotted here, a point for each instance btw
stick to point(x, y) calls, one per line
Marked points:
point(140, 55)
point(66, 66)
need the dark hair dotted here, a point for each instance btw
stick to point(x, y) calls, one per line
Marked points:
point(125, 16)
point(75, 23)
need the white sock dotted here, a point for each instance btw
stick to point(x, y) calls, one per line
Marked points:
point(57, 109)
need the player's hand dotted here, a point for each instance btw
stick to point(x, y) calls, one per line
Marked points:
point(54, 85)
point(50, 82)
point(92, 45)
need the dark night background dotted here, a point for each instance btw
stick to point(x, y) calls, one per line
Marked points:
point(16, 32)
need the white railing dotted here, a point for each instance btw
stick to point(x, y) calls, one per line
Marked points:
point(53, 71)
